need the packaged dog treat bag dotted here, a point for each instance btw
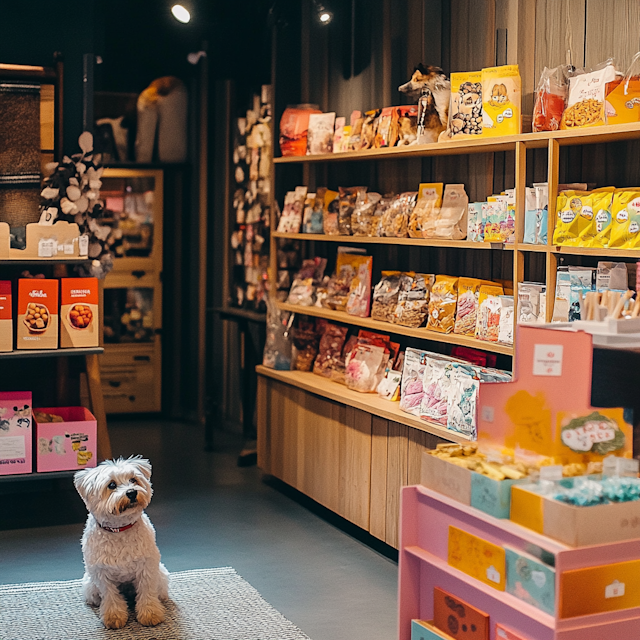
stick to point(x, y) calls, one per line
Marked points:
point(294, 126)
point(501, 101)
point(79, 313)
point(6, 321)
point(597, 229)
point(625, 220)
point(37, 314)
point(422, 221)
point(442, 304)
point(465, 109)
point(585, 105)
point(451, 223)
point(320, 133)
point(622, 104)
point(412, 390)
point(16, 433)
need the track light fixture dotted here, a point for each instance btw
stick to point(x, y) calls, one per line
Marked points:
point(323, 13)
point(181, 13)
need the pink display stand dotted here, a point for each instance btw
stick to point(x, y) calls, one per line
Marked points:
point(550, 391)
point(68, 445)
point(425, 517)
point(16, 433)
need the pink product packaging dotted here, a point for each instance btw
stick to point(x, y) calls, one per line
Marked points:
point(412, 374)
point(67, 445)
point(15, 433)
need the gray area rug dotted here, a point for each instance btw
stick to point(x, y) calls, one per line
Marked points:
point(205, 604)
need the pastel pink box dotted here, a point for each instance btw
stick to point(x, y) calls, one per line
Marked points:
point(67, 445)
point(16, 433)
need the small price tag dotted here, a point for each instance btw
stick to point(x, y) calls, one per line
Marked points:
point(551, 473)
point(614, 590)
point(68, 249)
point(47, 248)
point(625, 467)
point(83, 245)
point(493, 574)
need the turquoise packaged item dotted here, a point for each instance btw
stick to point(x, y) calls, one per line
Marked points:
point(492, 496)
point(531, 580)
point(530, 217)
point(475, 222)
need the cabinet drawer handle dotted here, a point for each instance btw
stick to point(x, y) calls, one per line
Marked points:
point(114, 383)
point(138, 273)
point(142, 358)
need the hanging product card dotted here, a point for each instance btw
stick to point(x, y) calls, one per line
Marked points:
point(477, 557)
point(458, 618)
point(6, 323)
point(547, 360)
point(610, 587)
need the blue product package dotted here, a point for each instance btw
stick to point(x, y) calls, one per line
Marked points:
point(475, 224)
point(531, 580)
point(542, 211)
point(530, 217)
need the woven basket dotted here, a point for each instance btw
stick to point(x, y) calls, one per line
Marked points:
point(19, 201)
point(19, 129)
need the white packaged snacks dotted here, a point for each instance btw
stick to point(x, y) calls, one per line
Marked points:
point(422, 221)
point(412, 375)
point(531, 307)
point(435, 383)
point(451, 223)
point(505, 330)
point(365, 367)
point(291, 218)
point(320, 133)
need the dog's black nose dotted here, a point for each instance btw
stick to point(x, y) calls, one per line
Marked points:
point(132, 494)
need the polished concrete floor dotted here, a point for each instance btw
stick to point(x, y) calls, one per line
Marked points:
point(210, 513)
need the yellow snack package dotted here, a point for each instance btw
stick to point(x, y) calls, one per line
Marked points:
point(422, 220)
point(442, 304)
point(501, 100)
point(624, 219)
point(571, 219)
point(465, 106)
point(598, 219)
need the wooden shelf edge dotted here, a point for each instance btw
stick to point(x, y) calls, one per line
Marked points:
point(50, 353)
point(515, 603)
point(538, 140)
point(38, 475)
point(421, 333)
point(369, 402)
point(590, 251)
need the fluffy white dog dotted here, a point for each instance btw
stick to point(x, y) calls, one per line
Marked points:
point(119, 542)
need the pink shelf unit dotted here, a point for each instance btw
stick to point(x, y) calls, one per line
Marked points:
point(425, 518)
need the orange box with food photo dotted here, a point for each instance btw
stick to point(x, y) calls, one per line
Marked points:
point(79, 299)
point(37, 326)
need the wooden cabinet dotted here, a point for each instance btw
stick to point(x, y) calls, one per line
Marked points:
point(132, 361)
point(347, 459)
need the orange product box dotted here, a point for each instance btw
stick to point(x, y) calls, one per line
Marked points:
point(79, 313)
point(6, 323)
point(458, 618)
point(609, 587)
point(477, 558)
point(37, 326)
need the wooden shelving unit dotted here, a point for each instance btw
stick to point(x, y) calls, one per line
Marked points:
point(50, 353)
point(387, 327)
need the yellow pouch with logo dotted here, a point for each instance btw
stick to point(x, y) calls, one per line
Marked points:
point(621, 219)
point(501, 100)
point(597, 219)
point(570, 219)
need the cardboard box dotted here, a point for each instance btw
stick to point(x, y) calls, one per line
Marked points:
point(575, 526)
point(470, 488)
point(6, 321)
point(426, 630)
point(477, 557)
point(610, 587)
point(68, 445)
point(79, 325)
point(37, 326)
point(458, 618)
point(531, 580)
point(15, 433)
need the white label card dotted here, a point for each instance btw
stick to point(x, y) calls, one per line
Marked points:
point(547, 360)
point(46, 248)
point(83, 245)
point(12, 447)
point(493, 574)
point(614, 590)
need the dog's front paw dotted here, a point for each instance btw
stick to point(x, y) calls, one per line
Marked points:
point(115, 618)
point(150, 614)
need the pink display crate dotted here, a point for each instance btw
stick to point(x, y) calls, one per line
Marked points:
point(424, 528)
point(16, 433)
point(68, 445)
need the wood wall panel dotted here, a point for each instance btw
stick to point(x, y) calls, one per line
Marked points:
point(354, 488)
point(396, 478)
point(417, 442)
point(378, 500)
point(612, 29)
point(560, 26)
point(473, 42)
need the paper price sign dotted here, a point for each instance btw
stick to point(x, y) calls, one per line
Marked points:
point(547, 360)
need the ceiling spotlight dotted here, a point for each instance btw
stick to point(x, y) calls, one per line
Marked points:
point(180, 13)
point(323, 14)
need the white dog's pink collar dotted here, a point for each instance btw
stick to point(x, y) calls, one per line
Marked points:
point(116, 529)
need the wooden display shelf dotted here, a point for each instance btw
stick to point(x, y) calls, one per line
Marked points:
point(39, 261)
point(396, 329)
point(49, 353)
point(594, 135)
point(369, 402)
point(415, 242)
point(590, 251)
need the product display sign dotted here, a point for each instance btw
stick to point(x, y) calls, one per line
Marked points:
point(546, 410)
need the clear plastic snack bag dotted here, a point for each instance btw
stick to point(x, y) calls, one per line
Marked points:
point(422, 220)
point(386, 294)
point(413, 301)
point(363, 216)
point(365, 367)
point(347, 203)
point(330, 350)
point(395, 220)
point(277, 348)
point(551, 97)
